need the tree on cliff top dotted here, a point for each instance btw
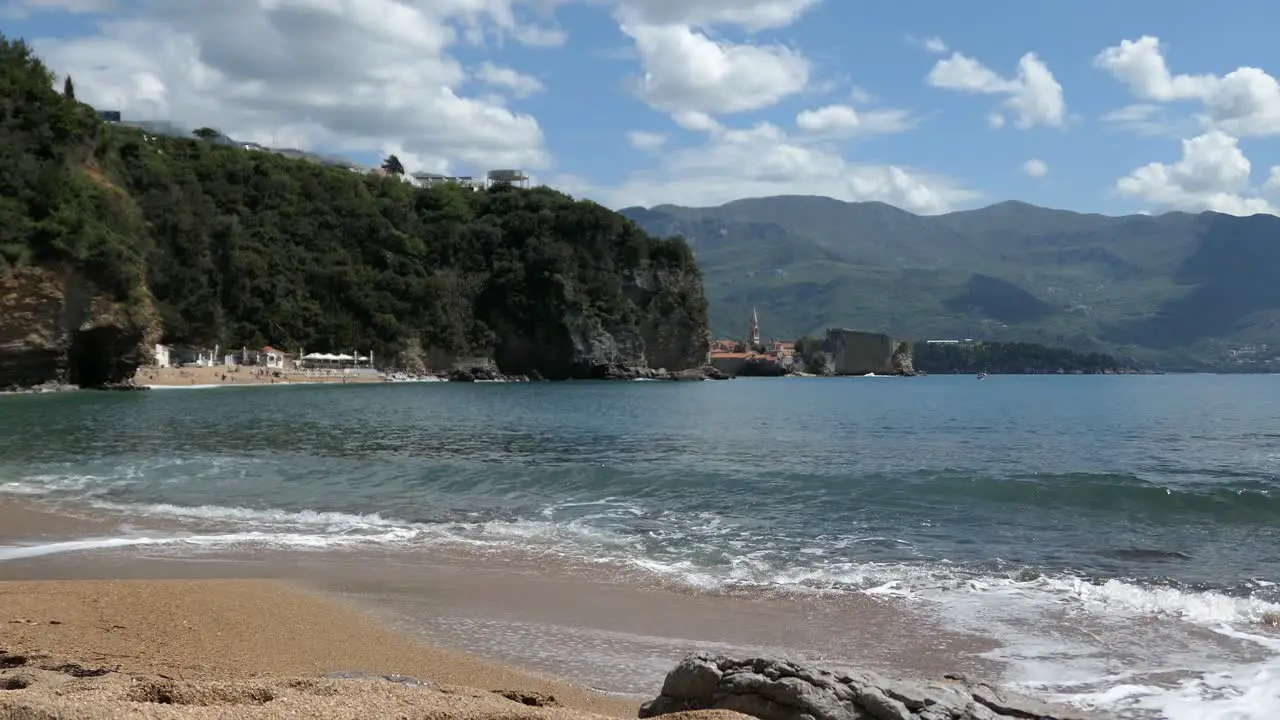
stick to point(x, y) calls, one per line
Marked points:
point(69, 89)
point(250, 248)
point(52, 211)
point(810, 352)
point(393, 165)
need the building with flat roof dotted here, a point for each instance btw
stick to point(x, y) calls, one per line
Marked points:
point(514, 177)
point(425, 179)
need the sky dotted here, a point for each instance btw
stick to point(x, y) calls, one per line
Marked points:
point(1110, 106)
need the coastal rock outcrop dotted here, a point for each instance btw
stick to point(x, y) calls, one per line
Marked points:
point(903, 360)
point(781, 690)
point(56, 327)
point(664, 329)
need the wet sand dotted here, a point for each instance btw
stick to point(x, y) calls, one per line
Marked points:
point(210, 636)
point(594, 633)
point(25, 522)
point(430, 612)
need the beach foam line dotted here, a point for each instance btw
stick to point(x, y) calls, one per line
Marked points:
point(579, 539)
point(206, 542)
point(1249, 691)
point(1010, 607)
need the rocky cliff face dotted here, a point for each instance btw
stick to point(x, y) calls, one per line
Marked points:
point(674, 328)
point(903, 360)
point(665, 329)
point(57, 328)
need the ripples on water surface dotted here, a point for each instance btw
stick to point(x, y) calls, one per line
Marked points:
point(1049, 510)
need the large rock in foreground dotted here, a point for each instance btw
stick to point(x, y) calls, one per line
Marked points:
point(781, 690)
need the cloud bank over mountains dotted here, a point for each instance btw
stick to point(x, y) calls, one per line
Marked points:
point(726, 97)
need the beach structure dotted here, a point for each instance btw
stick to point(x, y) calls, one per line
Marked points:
point(513, 177)
point(336, 361)
point(272, 358)
point(162, 356)
point(426, 180)
point(268, 357)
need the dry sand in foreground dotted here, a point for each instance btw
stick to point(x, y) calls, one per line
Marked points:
point(242, 649)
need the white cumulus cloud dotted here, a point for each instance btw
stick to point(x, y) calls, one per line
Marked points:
point(827, 119)
point(341, 75)
point(23, 8)
point(751, 15)
point(844, 120)
point(1272, 185)
point(518, 83)
point(694, 120)
point(417, 78)
point(765, 160)
point(645, 140)
point(685, 69)
point(687, 66)
point(935, 45)
point(1244, 102)
point(1213, 174)
point(1033, 96)
point(1035, 168)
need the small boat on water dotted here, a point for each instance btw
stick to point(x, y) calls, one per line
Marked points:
point(981, 375)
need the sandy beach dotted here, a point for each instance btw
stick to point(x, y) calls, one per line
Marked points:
point(243, 376)
point(241, 648)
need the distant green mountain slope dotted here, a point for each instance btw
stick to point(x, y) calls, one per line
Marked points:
point(1178, 289)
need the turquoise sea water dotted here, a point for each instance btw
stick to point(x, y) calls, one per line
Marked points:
point(1099, 500)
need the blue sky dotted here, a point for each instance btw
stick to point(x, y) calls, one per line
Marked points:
point(700, 101)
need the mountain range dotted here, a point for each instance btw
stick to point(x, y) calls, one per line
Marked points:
point(1180, 290)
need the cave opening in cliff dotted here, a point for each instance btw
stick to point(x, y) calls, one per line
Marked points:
point(93, 359)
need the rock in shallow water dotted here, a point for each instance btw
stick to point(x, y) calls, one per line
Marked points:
point(782, 690)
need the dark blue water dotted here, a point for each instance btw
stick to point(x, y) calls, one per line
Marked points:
point(1128, 496)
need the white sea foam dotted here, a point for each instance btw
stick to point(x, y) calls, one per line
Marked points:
point(1245, 691)
point(200, 542)
point(1098, 644)
point(50, 484)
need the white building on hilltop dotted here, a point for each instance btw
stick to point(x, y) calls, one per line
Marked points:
point(514, 177)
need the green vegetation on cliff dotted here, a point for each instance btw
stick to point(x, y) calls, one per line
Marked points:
point(237, 247)
point(51, 209)
point(1010, 358)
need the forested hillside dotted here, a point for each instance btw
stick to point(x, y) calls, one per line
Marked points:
point(1175, 290)
point(197, 243)
point(1011, 358)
